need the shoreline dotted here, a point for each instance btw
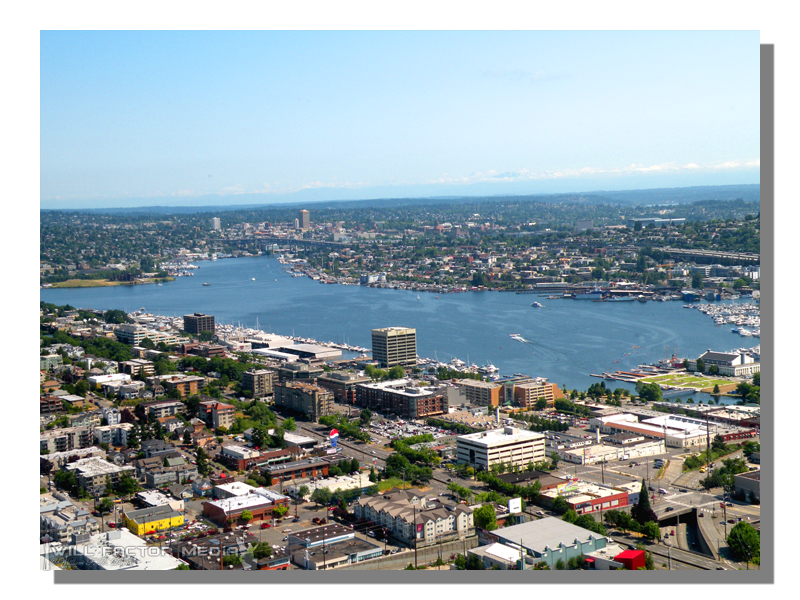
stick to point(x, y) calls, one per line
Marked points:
point(94, 283)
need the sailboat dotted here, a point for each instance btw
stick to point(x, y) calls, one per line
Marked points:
point(417, 296)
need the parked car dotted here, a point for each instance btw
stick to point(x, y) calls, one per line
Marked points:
point(669, 509)
point(265, 526)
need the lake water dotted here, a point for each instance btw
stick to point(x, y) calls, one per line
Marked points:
point(568, 339)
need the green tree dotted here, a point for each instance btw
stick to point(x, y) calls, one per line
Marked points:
point(247, 516)
point(701, 365)
point(105, 506)
point(280, 511)
point(366, 416)
point(650, 530)
point(757, 379)
point(397, 372)
point(560, 505)
point(322, 496)
point(127, 485)
point(303, 491)
point(262, 550)
point(541, 404)
point(187, 437)
point(744, 541)
point(289, 424)
point(560, 566)
point(485, 517)
point(697, 280)
point(474, 563)
point(202, 462)
point(554, 457)
point(642, 511)
point(148, 343)
point(231, 560)
point(716, 389)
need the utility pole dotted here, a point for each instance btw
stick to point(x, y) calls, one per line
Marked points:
point(415, 537)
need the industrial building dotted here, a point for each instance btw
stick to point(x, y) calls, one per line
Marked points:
point(395, 346)
point(508, 445)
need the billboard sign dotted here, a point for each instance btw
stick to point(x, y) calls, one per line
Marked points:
point(334, 438)
point(514, 505)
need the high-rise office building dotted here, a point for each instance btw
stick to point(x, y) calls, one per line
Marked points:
point(395, 346)
point(215, 224)
point(305, 220)
point(197, 323)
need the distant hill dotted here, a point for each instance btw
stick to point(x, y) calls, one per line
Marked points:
point(658, 196)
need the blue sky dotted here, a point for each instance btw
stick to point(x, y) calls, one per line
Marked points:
point(164, 117)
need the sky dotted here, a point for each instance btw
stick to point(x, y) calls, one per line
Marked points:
point(167, 117)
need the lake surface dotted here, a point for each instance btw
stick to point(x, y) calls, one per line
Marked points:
point(568, 339)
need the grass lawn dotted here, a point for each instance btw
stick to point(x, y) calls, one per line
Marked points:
point(393, 482)
point(80, 283)
point(691, 382)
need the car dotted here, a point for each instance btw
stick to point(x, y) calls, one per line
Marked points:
point(371, 534)
point(286, 537)
point(112, 524)
point(721, 569)
point(330, 508)
point(669, 509)
point(296, 520)
point(394, 551)
point(683, 490)
point(449, 480)
point(701, 515)
point(265, 526)
point(729, 504)
point(287, 530)
point(731, 520)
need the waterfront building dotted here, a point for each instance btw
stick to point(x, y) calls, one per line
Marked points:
point(197, 323)
point(311, 400)
point(395, 346)
point(481, 393)
point(507, 445)
point(400, 397)
point(528, 393)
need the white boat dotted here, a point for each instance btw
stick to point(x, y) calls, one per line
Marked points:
point(537, 305)
point(206, 284)
point(253, 279)
point(418, 297)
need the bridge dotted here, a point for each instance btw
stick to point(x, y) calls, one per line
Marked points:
point(713, 255)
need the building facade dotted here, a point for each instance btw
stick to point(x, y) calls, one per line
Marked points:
point(259, 381)
point(508, 445)
point(196, 323)
point(395, 346)
point(311, 400)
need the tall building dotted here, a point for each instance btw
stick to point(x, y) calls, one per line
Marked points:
point(311, 400)
point(215, 224)
point(198, 322)
point(304, 219)
point(395, 346)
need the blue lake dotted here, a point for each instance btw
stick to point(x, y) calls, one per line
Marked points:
point(568, 339)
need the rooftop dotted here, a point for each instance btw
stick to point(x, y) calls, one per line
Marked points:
point(542, 534)
point(503, 435)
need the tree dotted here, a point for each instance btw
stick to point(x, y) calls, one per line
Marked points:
point(355, 467)
point(322, 496)
point(246, 516)
point(560, 566)
point(650, 530)
point(303, 491)
point(570, 516)
point(280, 510)
point(148, 343)
point(231, 560)
point(202, 462)
point(262, 550)
point(187, 437)
point(485, 517)
point(541, 404)
point(289, 424)
point(560, 505)
point(460, 562)
point(757, 379)
point(697, 280)
point(641, 511)
point(716, 389)
point(105, 506)
point(554, 457)
point(701, 365)
point(474, 563)
point(366, 415)
point(127, 485)
point(744, 541)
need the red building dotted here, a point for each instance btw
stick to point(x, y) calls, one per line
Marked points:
point(632, 559)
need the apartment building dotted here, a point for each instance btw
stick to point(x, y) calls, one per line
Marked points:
point(95, 474)
point(67, 438)
point(528, 393)
point(400, 397)
point(259, 381)
point(481, 393)
point(307, 398)
point(216, 414)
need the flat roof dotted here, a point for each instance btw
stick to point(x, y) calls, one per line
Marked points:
point(258, 497)
point(540, 533)
point(503, 435)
